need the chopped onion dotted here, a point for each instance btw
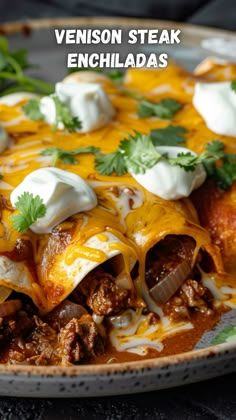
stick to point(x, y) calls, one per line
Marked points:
point(9, 307)
point(66, 311)
point(98, 319)
point(164, 289)
point(123, 281)
point(121, 321)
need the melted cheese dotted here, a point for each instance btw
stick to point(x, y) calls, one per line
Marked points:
point(128, 220)
point(137, 333)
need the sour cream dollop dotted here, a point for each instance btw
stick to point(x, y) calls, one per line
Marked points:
point(86, 101)
point(14, 98)
point(171, 182)
point(216, 103)
point(63, 193)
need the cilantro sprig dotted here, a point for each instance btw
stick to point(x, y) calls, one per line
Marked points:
point(32, 110)
point(31, 208)
point(112, 162)
point(117, 76)
point(233, 85)
point(128, 153)
point(225, 172)
point(172, 135)
point(12, 72)
point(226, 335)
point(67, 156)
point(138, 153)
point(135, 154)
point(165, 109)
point(63, 115)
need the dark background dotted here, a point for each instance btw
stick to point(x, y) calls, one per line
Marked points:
point(214, 399)
point(218, 13)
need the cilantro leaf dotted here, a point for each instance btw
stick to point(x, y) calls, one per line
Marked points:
point(166, 108)
point(135, 154)
point(87, 149)
point(215, 151)
point(4, 47)
point(226, 335)
point(112, 162)
point(67, 156)
point(133, 94)
point(31, 209)
point(12, 66)
point(139, 153)
point(3, 61)
point(172, 135)
point(187, 160)
point(21, 58)
point(225, 175)
point(233, 85)
point(216, 148)
point(64, 116)
point(221, 166)
point(32, 110)
point(117, 76)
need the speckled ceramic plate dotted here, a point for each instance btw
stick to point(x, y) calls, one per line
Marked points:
point(206, 360)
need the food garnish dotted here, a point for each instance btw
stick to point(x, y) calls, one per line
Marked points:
point(12, 72)
point(63, 115)
point(138, 153)
point(228, 334)
point(67, 156)
point(166, 108)
point(109, 262)
point(32, 110)
point(233, 85)
point(31, 208)
point(172, 135)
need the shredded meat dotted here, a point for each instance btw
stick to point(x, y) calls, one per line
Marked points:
point(43, 338)
point(69, 335)
point(10, 327)
point(26, 338)
point(103, 296)
point(191, 295)
point(79, 340)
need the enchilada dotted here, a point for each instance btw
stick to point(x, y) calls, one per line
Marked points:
point(125, 277)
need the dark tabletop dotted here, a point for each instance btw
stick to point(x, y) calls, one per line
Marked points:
point(213, 399)
point(209, 400)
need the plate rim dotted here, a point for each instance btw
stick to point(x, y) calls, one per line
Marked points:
point(174, 360)
point(219, 350)
point(8, 28)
